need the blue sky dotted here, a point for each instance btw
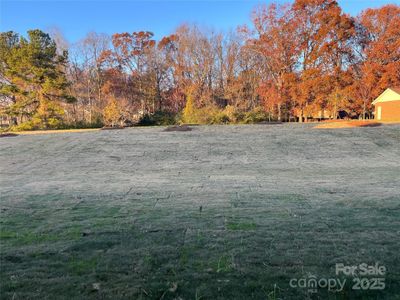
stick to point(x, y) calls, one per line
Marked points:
point(75, 18)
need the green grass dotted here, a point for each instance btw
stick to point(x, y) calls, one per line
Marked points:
point(82, 266)
point(241, 226)
point(143, 260)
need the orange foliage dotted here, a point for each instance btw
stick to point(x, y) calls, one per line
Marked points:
point(300, 60)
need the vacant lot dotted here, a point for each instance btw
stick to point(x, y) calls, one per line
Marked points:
point(221, 212)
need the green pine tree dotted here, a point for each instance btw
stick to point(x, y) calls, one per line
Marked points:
point(34, 79)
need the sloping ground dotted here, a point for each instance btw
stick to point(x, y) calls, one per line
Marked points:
point(220, 212)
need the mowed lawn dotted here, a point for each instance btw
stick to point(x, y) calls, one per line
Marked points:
point(221, 212)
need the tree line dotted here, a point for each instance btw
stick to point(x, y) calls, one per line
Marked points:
point(297, 61)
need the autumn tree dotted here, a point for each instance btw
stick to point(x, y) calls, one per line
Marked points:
point(112, 113)
point(129, 51)
point(276, 42)
point(194, 64)
point(173, 98)
point(189, 112)
point(378, 56)
point(324, 33)
point(159, 72)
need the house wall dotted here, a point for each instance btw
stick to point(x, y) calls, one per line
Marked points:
point(390, 111)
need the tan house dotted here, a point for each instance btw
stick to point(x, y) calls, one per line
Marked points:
point(387, 105)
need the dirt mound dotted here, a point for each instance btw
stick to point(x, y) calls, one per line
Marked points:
point(347, 124)
point(112, 127)
point(7, 134)
point(178, 128)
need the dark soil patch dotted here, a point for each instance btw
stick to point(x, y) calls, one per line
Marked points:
point(8, 134)
point(178, 128)
point(190, 124)
point(375, 124)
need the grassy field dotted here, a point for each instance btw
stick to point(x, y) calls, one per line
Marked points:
point(221, 212)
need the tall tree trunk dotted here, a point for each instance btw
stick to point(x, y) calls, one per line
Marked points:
point(279, 112)
point(301, 116)
point(364, 109)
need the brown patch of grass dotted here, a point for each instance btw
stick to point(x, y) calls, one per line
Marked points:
point(34, 132)
point(347, 124)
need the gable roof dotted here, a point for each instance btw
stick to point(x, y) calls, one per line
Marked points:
point(390, 94)
point(396, 89)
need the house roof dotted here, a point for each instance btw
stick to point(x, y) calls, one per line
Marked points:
point(396, 89)
point(390, 94)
